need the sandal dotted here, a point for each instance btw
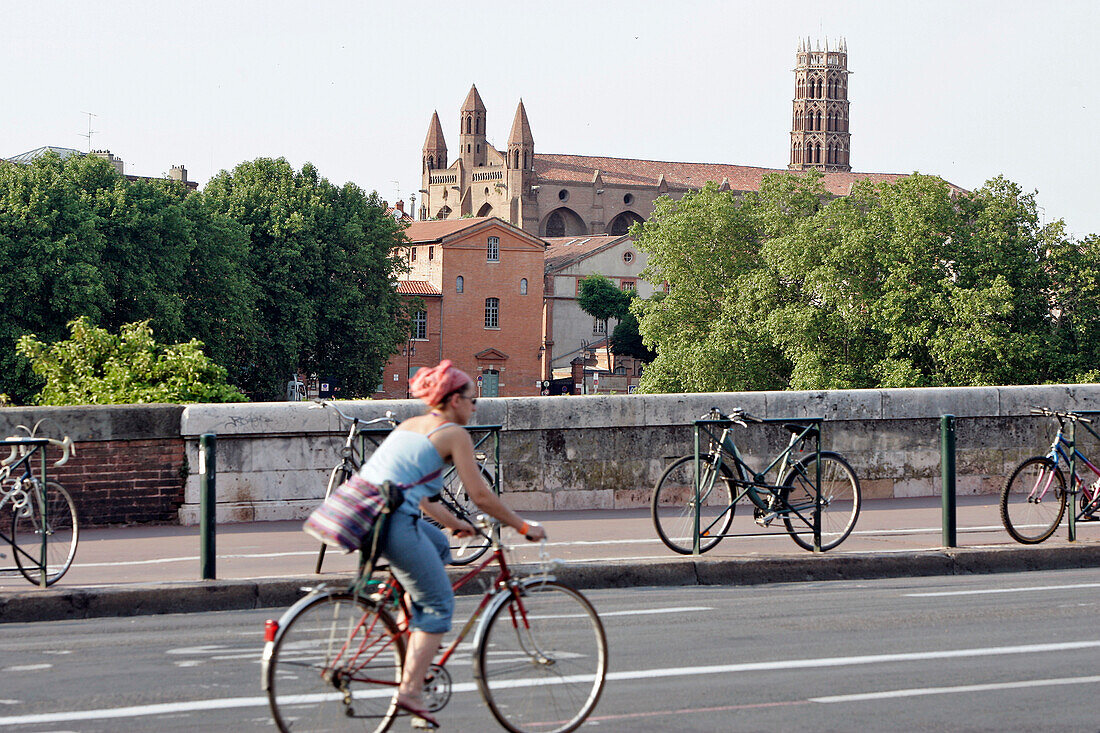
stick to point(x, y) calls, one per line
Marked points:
point(421, 718)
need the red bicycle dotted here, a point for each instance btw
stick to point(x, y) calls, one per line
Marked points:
point(334, 659)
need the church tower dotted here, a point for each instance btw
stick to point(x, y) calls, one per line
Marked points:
point(471, 130)
point(521, 144)
point(819, 123)
point(435, 147)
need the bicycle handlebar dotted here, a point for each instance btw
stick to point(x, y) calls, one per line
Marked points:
point(388, 417)
point(1067, 415)
point(65, 444)
point(737, 416)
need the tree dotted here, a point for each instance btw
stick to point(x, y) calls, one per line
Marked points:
point(325, 260)
point(77, 239)
point(97, 367)
point(896, 285)
point(603, 301)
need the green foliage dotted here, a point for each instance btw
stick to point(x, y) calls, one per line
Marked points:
point(97, 367)
point(276, 271)
point(77, 239)
point(325, 260)
point(897, 285)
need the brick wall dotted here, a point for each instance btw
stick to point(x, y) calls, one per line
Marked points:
point(129, 465)
point(125, 481)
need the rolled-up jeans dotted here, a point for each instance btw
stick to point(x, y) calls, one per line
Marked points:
point(418, 553)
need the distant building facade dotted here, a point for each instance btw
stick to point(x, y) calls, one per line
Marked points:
point(481, 282)
point(175, 173)
point(570, 332)
point(556, 195)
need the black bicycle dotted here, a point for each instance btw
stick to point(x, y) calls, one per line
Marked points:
point(695, 499)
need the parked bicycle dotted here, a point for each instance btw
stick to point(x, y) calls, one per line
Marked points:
point(44, 525)
point(726, 480)
point(1033, 500)
point(334, 659)
point(464, 551)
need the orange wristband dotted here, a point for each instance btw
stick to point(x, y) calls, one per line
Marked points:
point(524, 529)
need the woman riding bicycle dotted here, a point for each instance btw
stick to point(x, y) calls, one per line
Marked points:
point(414, 456)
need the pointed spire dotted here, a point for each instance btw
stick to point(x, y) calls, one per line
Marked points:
point(434, 140)
point(473, 101)
point(521, 128)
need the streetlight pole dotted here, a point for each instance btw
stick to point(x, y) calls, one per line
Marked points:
point(409, 351)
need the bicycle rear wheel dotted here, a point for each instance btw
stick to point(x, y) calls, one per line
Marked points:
point(673, 505)
point(542, 660)
point(840, 499)
point(1033, 500)
point(337, 662)
point(464, 551)
point(45, 546)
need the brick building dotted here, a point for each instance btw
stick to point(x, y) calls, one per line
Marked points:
point(481, 283)
point(556, 195)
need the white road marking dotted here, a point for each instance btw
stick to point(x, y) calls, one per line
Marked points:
point(27, 668)
point(173, 708)
point(984, 591)
point(917, 692)
point(520, 549)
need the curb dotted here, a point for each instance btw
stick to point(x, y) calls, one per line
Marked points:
point(233, 595)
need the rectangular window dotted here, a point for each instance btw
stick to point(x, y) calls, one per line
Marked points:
point(431, 252)
point(492, 313)
point(492, 252)
point(413, 258)
point(599, 325)
point(420, 325)
point(628, 284)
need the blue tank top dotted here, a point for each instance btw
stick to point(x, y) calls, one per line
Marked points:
point(410, 461)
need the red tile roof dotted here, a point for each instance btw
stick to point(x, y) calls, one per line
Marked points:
point(564, 251)
point(626, 171)
point(431, 231)
point(417, 287)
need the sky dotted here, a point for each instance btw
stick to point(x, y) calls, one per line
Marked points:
point(965, 89)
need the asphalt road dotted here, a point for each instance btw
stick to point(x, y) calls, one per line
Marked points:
point(989, 652)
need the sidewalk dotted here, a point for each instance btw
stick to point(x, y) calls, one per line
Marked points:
point(134, 570)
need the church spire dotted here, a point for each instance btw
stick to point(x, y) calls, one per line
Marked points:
point(435, 147)
point(521, 143)
point(472, 129)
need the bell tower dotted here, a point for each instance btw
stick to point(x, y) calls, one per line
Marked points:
point(819, 120)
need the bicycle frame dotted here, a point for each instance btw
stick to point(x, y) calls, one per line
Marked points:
point(776, 504)
point(1065, 449)
point(19, 496)
point(388, 592)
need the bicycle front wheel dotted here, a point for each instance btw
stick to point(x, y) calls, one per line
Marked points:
point(44, 542)
point(840, 500)
point(1033, 500)
point(542, 660)
point(337, 664)
point(673, 505)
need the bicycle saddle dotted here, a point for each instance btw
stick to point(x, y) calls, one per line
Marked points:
point(797, 430)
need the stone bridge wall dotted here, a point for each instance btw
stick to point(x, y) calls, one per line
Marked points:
point(136, 463)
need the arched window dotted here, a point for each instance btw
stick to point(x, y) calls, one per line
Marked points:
point(526, 164)
point(431, 162)
point(460, 284)
point(515, 159)
point(523, 286)
point(468, 121)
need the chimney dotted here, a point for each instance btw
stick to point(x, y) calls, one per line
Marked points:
point(116, 162)
point(178, 173)
point(400, 206)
